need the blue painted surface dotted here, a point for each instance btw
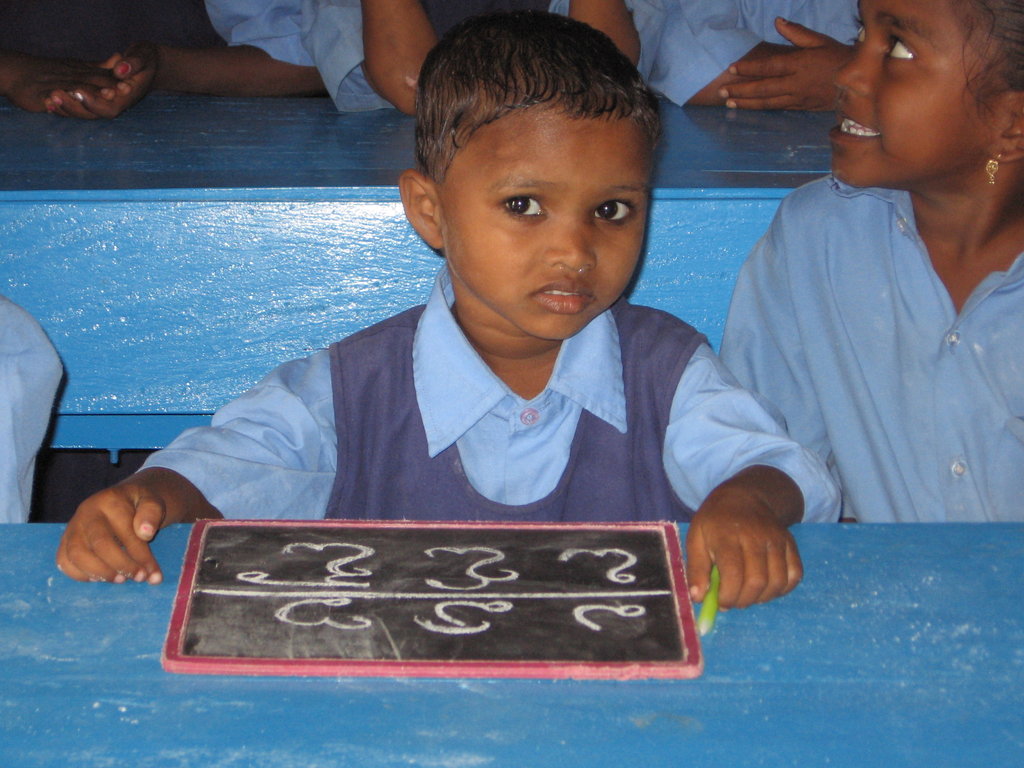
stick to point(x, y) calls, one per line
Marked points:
point(177, 254)
point(903, 646)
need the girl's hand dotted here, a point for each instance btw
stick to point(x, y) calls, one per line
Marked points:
point(108, 537)
point(742, 527)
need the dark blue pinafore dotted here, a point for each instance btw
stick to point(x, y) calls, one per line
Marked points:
point(385, 472)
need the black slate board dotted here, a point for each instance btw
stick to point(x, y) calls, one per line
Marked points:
point(434, 599)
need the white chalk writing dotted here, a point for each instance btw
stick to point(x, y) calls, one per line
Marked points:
point(456, 626)
point(625, 611)
point(613, 574)
point(496, 556)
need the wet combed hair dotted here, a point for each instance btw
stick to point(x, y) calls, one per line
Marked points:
point(998, 28)
point(492, 64)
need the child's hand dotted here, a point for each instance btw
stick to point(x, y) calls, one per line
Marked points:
point(742, 527)
point(799, 77)
point(132, 76)
point(108, 538)
point(38, 84)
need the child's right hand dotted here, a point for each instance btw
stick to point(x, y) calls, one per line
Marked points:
point(108, 537)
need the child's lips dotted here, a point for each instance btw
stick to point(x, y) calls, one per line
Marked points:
point(565, 297)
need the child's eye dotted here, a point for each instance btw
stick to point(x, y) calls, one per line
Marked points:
point(899, 51)
point(523, 206)
point(612, 210)
point(860, 34)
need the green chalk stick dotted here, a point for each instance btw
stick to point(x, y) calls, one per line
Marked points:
point(709, 608)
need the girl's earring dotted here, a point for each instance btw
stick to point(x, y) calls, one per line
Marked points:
point(991, 167)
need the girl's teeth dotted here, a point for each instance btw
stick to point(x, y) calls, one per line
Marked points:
point(849, 126)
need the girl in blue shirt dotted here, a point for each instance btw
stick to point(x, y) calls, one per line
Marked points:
point(883, 312)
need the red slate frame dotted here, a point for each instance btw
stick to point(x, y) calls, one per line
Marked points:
point(690, 665)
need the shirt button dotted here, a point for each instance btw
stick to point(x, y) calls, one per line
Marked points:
point(529, 416)
point(953, 338)
point(901, 224)
point(958, 468)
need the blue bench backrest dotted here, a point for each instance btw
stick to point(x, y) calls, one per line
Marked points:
point(177, 254)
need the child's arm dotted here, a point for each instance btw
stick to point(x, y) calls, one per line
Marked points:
point(108, 537)
point(614, 19)
point(742, 527)
point(773, 76)
point(397, 36)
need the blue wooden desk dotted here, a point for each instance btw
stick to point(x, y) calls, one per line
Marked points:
point(178, 253)
point(904, 646)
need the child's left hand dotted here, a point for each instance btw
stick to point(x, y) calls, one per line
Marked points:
point(742, 527)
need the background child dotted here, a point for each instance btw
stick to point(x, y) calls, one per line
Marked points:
point(519, 392)
point(370, 51)
point(883, 312)
point(29, 374)
point(753, 54)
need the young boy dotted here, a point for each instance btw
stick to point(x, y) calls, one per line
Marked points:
point(525, 389)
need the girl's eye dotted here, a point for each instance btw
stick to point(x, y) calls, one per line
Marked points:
point(900, 51)
point(860, 34)
point(613, 210)
point(523, 206)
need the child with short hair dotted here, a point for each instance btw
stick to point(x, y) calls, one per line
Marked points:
point(526, 388)
point(883, 311)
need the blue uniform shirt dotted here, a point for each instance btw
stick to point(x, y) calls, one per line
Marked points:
point(840, 320)
point(273, 451)
point(29, 374)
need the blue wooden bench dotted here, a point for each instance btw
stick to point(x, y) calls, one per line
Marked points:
point(178, 253)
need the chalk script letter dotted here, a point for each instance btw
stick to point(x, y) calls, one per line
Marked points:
point(354, 622)
point(454, 626)
point(496, 556)
point(625, 611)
point(337, 566)
point(612, 574)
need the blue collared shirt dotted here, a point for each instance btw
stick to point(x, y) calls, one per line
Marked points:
point(840, 319)
point(273, 451)
point(701, 38)
point(29, 374)
point(328, 34)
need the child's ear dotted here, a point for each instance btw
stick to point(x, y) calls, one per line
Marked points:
point(1012, 137)
point(420, 197)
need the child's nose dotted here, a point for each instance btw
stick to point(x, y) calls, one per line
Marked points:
point(853, 75)
point(572, 248)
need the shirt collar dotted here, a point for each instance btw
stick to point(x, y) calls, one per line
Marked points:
point(455, 388)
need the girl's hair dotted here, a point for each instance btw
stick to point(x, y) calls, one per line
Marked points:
point(492, 64)
point(998, 28)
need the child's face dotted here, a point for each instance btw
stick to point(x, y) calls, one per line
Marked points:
point(541, 219)
point(907, 118)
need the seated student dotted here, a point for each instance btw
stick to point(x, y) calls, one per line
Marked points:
point(92, 64)
point(29, 374)
point(369, 51)
point(527, 388)
point(883, 312)
point(753, 54)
